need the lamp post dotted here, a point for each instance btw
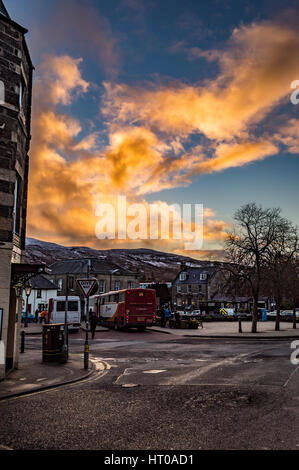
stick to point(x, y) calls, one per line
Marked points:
point(28, 289)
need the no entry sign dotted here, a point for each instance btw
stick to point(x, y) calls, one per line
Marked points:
point(86, 286)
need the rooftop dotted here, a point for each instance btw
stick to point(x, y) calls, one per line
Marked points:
point(3, 10)
point(80, 266)
point(41, 282)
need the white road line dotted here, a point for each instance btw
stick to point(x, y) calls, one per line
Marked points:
point(290, 377)
point(198, 372)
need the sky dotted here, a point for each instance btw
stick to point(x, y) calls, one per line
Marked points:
point(164, 102)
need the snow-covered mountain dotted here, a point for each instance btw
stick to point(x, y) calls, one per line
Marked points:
point(151, 264)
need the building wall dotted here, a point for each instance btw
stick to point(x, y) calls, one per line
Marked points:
point(124, 280)
point(15, 113)
point(5, 260)
point(34, 301)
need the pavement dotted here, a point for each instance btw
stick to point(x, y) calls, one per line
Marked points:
point(33, 375)
point(230, 329)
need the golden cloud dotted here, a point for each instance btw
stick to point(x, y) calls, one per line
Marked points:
point(149, 128)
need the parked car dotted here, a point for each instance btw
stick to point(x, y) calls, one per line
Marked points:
point(196, 314)
point(287, 315)
point(30, 317)
point(217, 316)
point(228, 313)
point(244, 316)
point(271, 315)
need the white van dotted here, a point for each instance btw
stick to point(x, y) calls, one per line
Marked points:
point(57, 311)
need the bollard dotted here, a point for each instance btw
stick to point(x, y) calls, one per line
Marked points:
point(22, 342)
point(240, 326)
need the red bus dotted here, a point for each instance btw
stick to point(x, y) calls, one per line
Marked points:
point(129, 308)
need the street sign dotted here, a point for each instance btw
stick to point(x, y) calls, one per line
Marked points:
point(86, 286)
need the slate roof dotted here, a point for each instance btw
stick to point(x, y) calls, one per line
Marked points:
point(41, 282)
point(193, 275)
point(3, 10)
point(79, 266)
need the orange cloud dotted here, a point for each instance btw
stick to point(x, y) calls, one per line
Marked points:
point(69, 177)
point(148, 130)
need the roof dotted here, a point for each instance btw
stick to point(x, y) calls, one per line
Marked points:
point(41, 282)
point(5, 16)
point(193, 274)
point(80, 266)
point(3, 10)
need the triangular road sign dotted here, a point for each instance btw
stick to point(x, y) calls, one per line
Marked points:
point(86, 285)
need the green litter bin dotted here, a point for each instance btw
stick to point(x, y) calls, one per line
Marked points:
point(53, 343)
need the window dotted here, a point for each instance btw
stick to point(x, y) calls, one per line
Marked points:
point(130, 284)
point(39, 293)
point(203, 277)
point(179, 288)
point(60, 307)
point(183, 276)
point(22, 92)
point(101, 286)
point(59, 284)
point(117, 285)
point(71, 282)
point(189, 288)
point(2, 93)
point(72, 306)
point(17, 205)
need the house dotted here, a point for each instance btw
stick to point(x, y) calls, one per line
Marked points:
point(110, 276)
point(204, 288)
point(42, 291)
point(193, 286)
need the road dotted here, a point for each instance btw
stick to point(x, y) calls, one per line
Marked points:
point(165, 392)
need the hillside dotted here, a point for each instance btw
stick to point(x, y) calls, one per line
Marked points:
point(152, 265)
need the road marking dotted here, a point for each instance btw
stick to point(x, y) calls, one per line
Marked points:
point(198, 372)
point(102, 370)
point(154, 371)
point(290, 377)
point(5, 448)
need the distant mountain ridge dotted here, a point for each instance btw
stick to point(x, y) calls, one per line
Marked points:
point(152, 265)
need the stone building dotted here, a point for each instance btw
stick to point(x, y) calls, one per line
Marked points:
point(193, 286)
point(110, 276)
point(15, 113)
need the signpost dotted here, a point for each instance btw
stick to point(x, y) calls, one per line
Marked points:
point(86, 286)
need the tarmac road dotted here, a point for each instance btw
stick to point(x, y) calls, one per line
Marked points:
point(164, 392)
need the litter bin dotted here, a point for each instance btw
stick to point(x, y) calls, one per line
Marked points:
point(53, 341)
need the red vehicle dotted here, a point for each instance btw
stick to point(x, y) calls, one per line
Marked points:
point(130, 308)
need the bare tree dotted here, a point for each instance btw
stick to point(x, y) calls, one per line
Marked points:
point(280, 255)
point(292, 286)
point(248, 245)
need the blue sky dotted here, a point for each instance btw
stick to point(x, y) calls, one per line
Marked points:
point(160, 48)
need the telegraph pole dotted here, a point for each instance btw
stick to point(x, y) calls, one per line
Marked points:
point(66, 332)
point(86, 347)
